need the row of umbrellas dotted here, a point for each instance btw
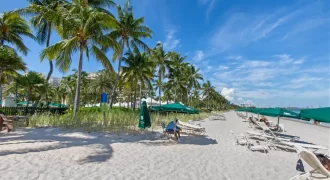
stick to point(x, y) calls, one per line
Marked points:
point(24, 103)
point(319, 114)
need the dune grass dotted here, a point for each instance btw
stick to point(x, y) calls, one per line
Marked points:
point(113, 121)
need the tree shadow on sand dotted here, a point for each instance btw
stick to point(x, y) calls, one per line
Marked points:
point(54, 139)
point(49, 139)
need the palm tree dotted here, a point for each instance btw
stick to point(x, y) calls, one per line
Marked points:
point(44, 21)
point(12, 27)
point(193, 76)
point(207, 89)
point(128, 31)
point(32, 83)
point(103, 82)
point(10, 63)
point(84, 33)
point(163, 64)
point(139, 70)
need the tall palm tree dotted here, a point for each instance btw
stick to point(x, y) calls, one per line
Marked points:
point(163, 64)
point(44, 21)
point(12, 28)
point(139, 70)
point(207, 89)
point(83, 33)
point(128, 31)
point(193, 76)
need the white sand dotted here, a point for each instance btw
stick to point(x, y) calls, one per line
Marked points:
point(54, 154)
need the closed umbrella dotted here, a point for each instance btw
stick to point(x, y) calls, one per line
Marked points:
point(144, 121)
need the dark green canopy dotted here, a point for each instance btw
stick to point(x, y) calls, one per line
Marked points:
point(318, 114)
point(278, 112)
point(176, 107)
point(56, 105)
point(23, 103)
point(144, 121)
point(275, 112)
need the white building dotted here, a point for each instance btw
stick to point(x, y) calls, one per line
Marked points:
point(93, 75)
point(55, 81)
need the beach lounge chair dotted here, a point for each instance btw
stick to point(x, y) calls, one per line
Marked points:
point(239, 140)
point(243, 140)
point(6, 123)
point(289, 144)
point(191, 129)
point(318, 172)
point(269, 133)
point(258, 147)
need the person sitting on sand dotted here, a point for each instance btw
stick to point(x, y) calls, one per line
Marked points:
point(174, 129)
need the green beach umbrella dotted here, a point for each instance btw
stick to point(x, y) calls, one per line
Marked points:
point(144, 121)
point(23, 103)
point(278, 112)
point(318, 114)
point(176, 107)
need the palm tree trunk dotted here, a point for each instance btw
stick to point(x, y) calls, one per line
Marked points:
point(134, 105)
point(77, 97)
point(118, 74)
point(47, 45)
point(160, 87)
point(0, 86)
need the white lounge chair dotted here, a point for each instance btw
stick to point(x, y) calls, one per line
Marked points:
point(243, 140)
point(311, 159)
point(191, 129)
point(239, 140)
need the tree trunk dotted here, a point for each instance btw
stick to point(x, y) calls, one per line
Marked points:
point(51, 66)
point(134, 105)
point(118, 74)
point(77, 97)
point(160, 87)
point(0, 87)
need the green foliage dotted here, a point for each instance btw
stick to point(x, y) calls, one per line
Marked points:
point(116, 120)
point(10, 63)
point(12, 27)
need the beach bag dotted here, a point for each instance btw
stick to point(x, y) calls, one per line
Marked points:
point(300, 166)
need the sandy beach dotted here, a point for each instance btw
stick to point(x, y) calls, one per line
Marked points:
point(49, 153)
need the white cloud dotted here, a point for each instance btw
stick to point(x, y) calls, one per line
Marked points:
point(299, 61)
point(308, 24)
point(234, 57)
point(228, 93)
point(240, 29)
point(240, 99)
point(223, 67)
point(199, 55)
point(171, 41)
point(210, 6)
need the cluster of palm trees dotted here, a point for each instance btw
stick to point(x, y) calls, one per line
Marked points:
point(88, 28)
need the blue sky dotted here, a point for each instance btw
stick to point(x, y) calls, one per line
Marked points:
point(269, 53)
